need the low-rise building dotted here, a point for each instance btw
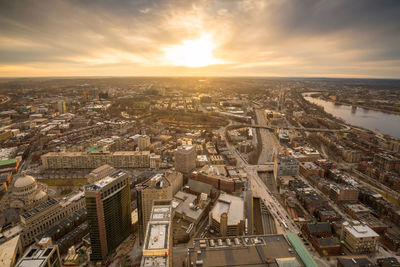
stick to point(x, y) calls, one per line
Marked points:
point(359, 238)
point(42, 254)
point(189, 210)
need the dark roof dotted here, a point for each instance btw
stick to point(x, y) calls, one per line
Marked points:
point(323, 227)
point(328, 242)
point(356, 262)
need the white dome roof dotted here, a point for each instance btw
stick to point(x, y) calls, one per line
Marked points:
point(24, 181)
point(41, 194)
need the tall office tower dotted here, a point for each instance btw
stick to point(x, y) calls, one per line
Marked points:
point(109, 214)
point(185, 159)
point(160, 186)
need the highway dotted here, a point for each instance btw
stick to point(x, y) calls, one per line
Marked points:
point(269, 143)
point(283, 222)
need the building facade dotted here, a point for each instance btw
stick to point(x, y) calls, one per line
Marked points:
point(109, 214)
point(185, 159)
point(159, 187)
point(92, 160)
point(359, 239)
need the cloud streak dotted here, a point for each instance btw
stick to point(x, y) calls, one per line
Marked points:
point(262, 38)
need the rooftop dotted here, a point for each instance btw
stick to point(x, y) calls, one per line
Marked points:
point(244, 251)
point(46, 205)
point(232, 205)
point(360, 231)
point(105, 181)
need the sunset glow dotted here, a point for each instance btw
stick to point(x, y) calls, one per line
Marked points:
point(192, 53)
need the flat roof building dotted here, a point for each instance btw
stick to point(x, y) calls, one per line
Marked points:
point(95, 159)
point(261, 250)
point(160, 186)
point(185, 159)
point(109, 214)
point(43, 254)
point(359, 238)
point(157, 247)
point(227, 217)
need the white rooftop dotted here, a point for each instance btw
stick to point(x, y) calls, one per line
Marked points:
point(158, 236)
point(231, 205)
point(361, 231)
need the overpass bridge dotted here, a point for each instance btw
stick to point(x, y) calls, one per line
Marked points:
point(269, 127)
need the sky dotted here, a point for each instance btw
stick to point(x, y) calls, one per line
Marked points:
point(289, 38)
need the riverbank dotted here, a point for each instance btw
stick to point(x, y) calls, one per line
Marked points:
point(358, 105)
point(371, 119)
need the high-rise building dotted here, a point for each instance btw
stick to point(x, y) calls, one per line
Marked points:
point(85, 96)
point(143, 142)
point(109, 214)
point(157, 248)
point(62, 107)
point(160, 186)
point(185, 159)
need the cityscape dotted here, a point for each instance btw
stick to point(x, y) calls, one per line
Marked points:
point(208, 157)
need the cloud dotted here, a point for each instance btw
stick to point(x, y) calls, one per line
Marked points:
point(271, 37)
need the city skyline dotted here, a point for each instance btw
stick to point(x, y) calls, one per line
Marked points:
point(335, 39)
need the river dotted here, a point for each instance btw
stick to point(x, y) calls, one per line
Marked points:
point(374, 120)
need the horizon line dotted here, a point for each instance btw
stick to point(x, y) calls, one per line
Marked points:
point(195, 76)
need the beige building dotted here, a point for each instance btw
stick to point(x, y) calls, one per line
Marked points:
point(143, 142)
point(25, 193)
point(157, 249)
point(227, 216)
point(100, 173)
point(92, 160)
point(159, 187)
point(185, 159)
point(358, 238)
point(38, 220)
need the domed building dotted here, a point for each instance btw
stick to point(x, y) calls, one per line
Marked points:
point(26, 193)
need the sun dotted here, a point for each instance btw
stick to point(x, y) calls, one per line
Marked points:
point(192, 53)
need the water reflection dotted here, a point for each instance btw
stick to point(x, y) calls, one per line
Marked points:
point(370, 119)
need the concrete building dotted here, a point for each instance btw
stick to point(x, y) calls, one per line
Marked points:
point(62, 107)
point(285, 165)
point(10, 251)
point(109, 214)
point(100, 173)
point(260, 250)
point(185, 159)
point(359, 238)
point(95, 159)
point(42, 254)
point(221, 177)
point(157, 249)
point(159, 187)
point(155, 161)
point(307, 168)
point(227, 217)
point(25, 193)
point(143, 142)
point(38, 220)
point(189, 210)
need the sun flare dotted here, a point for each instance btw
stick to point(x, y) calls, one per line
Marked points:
point(192, 53)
